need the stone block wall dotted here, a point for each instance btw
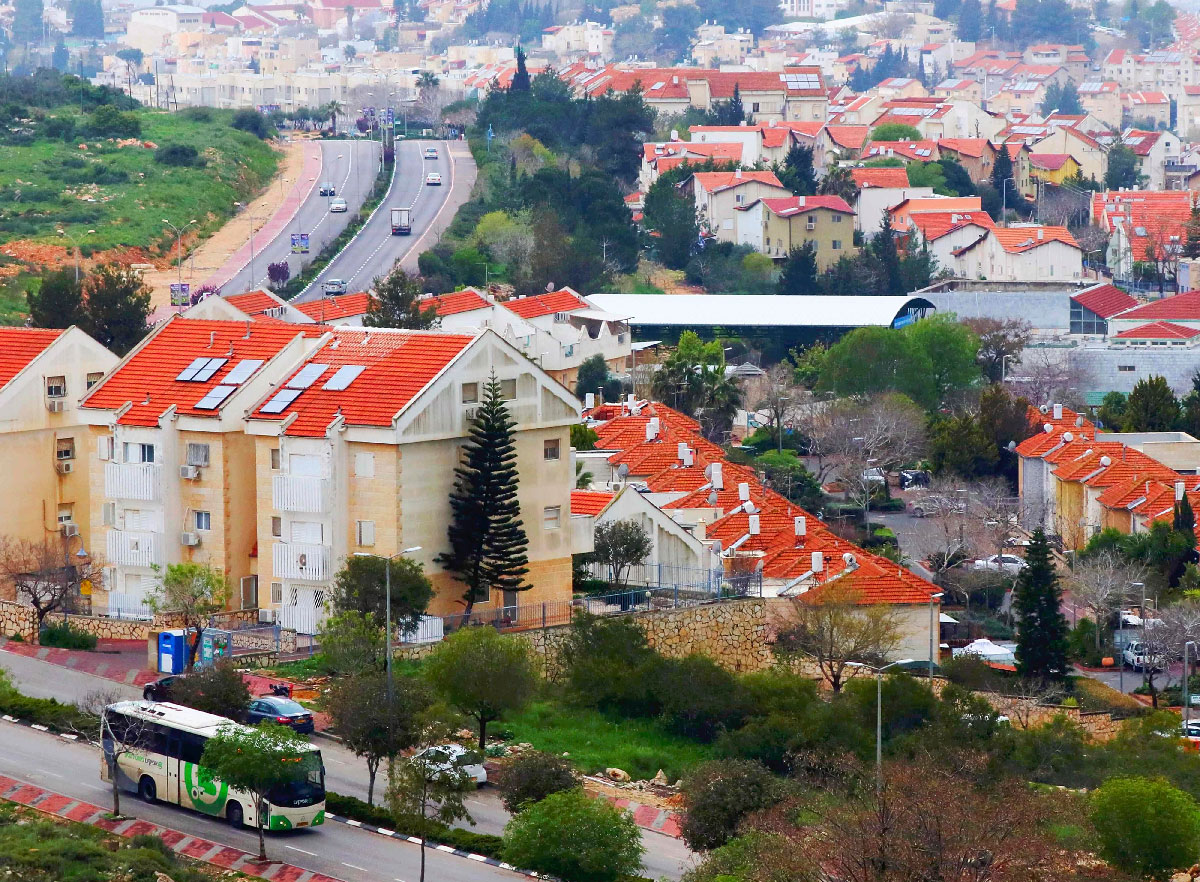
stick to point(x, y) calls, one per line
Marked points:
point(18, 620)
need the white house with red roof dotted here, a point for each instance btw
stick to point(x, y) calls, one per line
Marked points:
point(718, 194)
point(774, 226)
point(43, 374)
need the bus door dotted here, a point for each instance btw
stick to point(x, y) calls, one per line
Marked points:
point(173, 752)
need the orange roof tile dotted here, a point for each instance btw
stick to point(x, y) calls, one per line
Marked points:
point(20, 346)
point(330, 309)
point(254, 302)
point(1105, 300)
point(545, 304)
point(1159, 331)
point(455, 302)
point(1018, 239)
point(1179, 307)
point(935, 224)
point(895, 178)
point(589, 502)
point(850, 137)
point(716, 181)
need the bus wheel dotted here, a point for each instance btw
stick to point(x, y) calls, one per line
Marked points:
point(233, 813)
point(146, 789)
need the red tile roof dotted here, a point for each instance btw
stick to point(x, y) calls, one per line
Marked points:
point(20, 346)
point(850, 137)
point(789, 206)
point(1018, 239)
point(455, 302)
point(330, 309)
point(1180, 307)
point(1050, 161)
point(935, 224)
point(589, 502)
point(398, 365)
point(254, 302)
point(895, 178)
point(546, 304)
point(722, 180)
point(973, 147)
point(918, 151)
point(147, 377)
point(1105, 300)
point(1159, 331)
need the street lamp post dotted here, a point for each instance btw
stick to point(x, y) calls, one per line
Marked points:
point(1004, 198)
point(179, 248)
point(878, 718)
point(387, 611)
point(934, 632)
point(1186, 692)
point(252, 218)
point(1142, 616)
point(75, 243)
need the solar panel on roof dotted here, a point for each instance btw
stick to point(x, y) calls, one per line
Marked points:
point(243, 370)
point(189, 372)
point(206, 373)
point(215, 396)
point(344, 377)
point(282, 399)
point(306, 376)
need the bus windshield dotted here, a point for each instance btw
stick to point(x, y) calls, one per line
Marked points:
point(307, 790)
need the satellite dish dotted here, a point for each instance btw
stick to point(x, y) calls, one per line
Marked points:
point(1044, 408)
point(1012, 445)
point(1106, 461)
point(712, 498)
point(622, 471)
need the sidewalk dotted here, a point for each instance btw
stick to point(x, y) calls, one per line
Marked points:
point(205, 850)
point(649, 817)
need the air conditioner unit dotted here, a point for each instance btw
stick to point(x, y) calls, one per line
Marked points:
point(189, 539)
point(189, 472)
point(811, 225)
point(56, 405)
point(65, 466)
point(561, 316)
point(69, 530)
point(470, 413)
point(267, 616)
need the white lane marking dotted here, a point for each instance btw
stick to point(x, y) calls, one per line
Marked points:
point(412, 208)
point(301, 850)
point(52, 774)
point(94, 786)
point(445, 203)
point(354, 867)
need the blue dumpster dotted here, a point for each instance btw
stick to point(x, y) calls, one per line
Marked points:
point(172, 651)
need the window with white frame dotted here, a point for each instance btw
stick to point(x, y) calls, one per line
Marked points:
point(274, 459)
point(104, 447)
point(64, 449)
point(470, 393)
point(203, 520)
point(197, 454)
point(508, 389)
point(550, 449)
point(94, 378)
point(364, 465)
point(66, 513)
point(108, 514)
point(552, 517)
point(364, 533)
point(138, 453)
point(56, 387)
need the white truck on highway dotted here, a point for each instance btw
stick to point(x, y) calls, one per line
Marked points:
point(401, 221)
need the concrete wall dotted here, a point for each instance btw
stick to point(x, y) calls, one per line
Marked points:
point(1106, 367)
point(1046, 311)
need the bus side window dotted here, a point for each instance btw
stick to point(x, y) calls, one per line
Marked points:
point(153, 738)
point(173, 745)
point(116, 726)
point(191, 747)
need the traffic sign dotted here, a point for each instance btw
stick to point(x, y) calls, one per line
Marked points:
point(299, 243)
point(180, 294)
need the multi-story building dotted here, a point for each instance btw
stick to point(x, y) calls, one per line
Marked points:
point(582, 38)
point(775, 226)
point(355, 451)
point(717, 195)
point(43, 374)
point(170, 467)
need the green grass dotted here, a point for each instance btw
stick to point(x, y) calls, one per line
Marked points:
point(43, 182)
point(595, 742)
point(13, 306)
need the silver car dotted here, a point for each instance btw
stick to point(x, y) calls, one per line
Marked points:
point(334, 286)
point(338, 205)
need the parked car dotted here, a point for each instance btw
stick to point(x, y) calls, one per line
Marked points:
point(1002, 563)
point(280, 710)
point(1191, 729)
point(936, 505)
point(431, 153)
point(913, 478)
point(160, 689)
point(334, 286)
point(433, 179)
point(875, 476)
point(327, 189)
point(1137, 656)
point(455, 756)
point(338, 205)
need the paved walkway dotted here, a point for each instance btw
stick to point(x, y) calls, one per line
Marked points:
point(123, 661)
point(205, 850)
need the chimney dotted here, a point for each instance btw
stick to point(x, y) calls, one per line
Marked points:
point(1041, 234)
point(743, 492)
point(688, 457)
point(718, 480)
point(752, 522)
point(1058, 411)
point(818, 561)
point(589, 400)
point(656, 425)
point(801, 527)
point(738, 174)
point(799, 201)
point(650, 433)
point(1179, 491)
point(681, 450)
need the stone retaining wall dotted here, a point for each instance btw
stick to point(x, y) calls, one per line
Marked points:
point(111, 629)
point(18, 620)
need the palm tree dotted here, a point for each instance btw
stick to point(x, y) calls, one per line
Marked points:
point(428, 80)
point(839, 182)
point(333, 108)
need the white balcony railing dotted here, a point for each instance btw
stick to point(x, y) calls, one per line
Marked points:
point(133, 481)
point(299, 493)
point(131, 548)
point(296, 560)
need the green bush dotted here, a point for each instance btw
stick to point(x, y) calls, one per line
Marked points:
point(1094, 695)
point(44, 711)
point(183, 155)
point(766, 740)
point(533, 776)
point(253, 122)
point(699, 698)
point(718, 795)
point(1146, 826)
point(608, 664)
point(63, 636)
point(219, 690)
point(357, 810)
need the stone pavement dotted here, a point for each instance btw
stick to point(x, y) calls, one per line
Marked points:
point(205, 850)
point(650, 817)
point(123, 661)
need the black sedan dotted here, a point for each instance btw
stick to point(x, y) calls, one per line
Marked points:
point(280, 710)
point(160, 689)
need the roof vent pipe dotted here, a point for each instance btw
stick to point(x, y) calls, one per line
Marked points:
point(744, 492)
point(752, 524)
point(1058, 411)
point(801, 527)
point(818, 561)
point(718, 480)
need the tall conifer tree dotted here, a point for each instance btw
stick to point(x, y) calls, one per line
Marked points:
point(1042, 629)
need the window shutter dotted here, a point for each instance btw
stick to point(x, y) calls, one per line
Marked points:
point(366, 533)
point(104, 447)
point(108, 514)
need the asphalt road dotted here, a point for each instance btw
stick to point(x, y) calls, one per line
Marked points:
point(374, 250)
point(351, 166)
point(666, 857)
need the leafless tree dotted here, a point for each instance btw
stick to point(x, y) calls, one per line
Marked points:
point(1180, 623)
point(1100, 583)
point(46, 574)
point(1000, 344)
point(992, 515)
point(772, 396)
point(1049, 375)
point(119, 734)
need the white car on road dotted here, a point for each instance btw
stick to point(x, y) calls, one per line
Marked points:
point(337, 205)
point(431, 153)
point(445, 757)
point(433, 179)
point(334, 286)
point(1003, 563)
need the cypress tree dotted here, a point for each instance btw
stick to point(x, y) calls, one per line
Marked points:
point(487, 538)
point(520, 80)
point(1042, 629)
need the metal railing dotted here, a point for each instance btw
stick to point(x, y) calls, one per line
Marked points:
point(658, 575)
point(126, 606)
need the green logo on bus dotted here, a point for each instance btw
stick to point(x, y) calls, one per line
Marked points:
point(206, 794)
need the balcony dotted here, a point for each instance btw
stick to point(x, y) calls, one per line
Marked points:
point(130, 548)
point(583, 529)
point(299, 493)
point(295, 560)
point(141, 481)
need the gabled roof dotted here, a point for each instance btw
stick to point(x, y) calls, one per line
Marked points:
point(1139, 141)
point(396, 366)
point(935, 224)
point(148, 378)
point(455, 302)
point(892, 178)
point(563, 300)
point(1179, 307)
point(1105, 300)
point(850, 137)
point(330, 309)
point(590, 502)
point(789, 206)
point(1050, 161)
point(973, 147)
point(1016, 240)
point(254, 302)
point(20, 346)
point(1159, 331)
point(920, 151)
point(716, 181)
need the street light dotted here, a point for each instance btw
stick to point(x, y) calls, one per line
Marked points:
point(1187, 698)
point(937, 595)
point(878, 717)
point(1004, 198)
point(75, 243)
point(387, 609)
point(252, 218)
point(179, 248)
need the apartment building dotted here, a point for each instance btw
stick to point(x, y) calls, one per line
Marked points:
point(717, 195)
point(170, 468)
point(355, 451)
point(775, 226)
point(43, 374)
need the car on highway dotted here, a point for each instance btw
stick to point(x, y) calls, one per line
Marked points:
point(160, 689)
point(327, 189)
point(283, 711)
point(931, 506)
point(445, 757)
point(334, 286)
point(433, 179)
point(1000, 563)
point(431, 153)
point(337, 205)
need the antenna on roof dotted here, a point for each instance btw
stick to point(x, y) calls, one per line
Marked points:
point(247, 337)
point(212, 338)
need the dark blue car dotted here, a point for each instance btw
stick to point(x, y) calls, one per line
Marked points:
point(280, 710)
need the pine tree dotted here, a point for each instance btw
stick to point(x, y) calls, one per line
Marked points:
point(797, 173)
point(487, 539)
point(58, 302)
point(520, 80)
point(1042, 630)
point(799, 273)
point(1002, 173)
point(1184, 519)
point(1191, 246)
point(398, 303)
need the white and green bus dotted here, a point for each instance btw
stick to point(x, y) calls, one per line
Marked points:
point(158, 746)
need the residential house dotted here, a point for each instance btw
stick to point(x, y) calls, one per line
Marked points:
point(774, 226)
point(1026, 252)
point(717, 195)
point(1090, 153)
point(579, 39)
point(659, 158)
point(1187, 113)
point(1102, 99)
point(1154, 151)
point(837, 143)
point(1053, 168)
point(43, 374)
point(1142, 225)
point(879, 190)
point(1147, 108)
point(948, 235)
point(959, 89)
point(900, 87)
point(907, 151)
point(1022, 167)
point(345, 309)
point(976, 155)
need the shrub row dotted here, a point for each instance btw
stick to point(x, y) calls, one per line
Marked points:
point(44, 711)
point(435, 832)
